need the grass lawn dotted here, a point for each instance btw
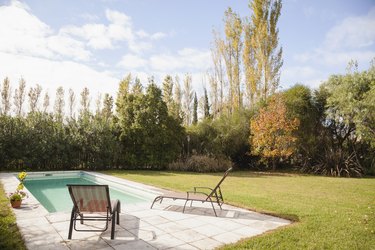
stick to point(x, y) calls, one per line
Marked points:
point(10, 238)
point(330, 213)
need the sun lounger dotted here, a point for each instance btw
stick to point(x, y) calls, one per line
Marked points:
point(201, 194)
point(93, 199)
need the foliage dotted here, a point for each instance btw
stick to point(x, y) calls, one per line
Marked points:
point(272, 132)
point(18, 195)
point(10, 238)
point(344, 134)
point(337, 211)
point(231, 52)
point(224, 136)
point(300, 104)
point(262, 55)
point(150, 137)
point(201, 163)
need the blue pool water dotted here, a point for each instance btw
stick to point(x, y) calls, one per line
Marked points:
point(53, 193)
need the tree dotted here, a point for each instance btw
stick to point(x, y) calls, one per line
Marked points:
point(300, 104)
point(5, 97)
point(59, 105)
point(217, 82)
point(168, 91)
point(187, 98)
point(232, 55)
point(272, 132)
point(98, 105)
point(107, 107)
point(85, 103)
point(34, 96)
point(71, 103)
point(150, 137)
point(177, 112)
point(346, 124)
point(262, 55)
point(137, 87)
point(46, 102)
point(206, 105)
point(195, 109)
point(123, 91)
point(19, 97)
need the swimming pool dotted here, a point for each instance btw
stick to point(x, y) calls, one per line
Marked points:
point(51, 191)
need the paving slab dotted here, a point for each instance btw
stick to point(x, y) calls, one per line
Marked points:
point(163, 227)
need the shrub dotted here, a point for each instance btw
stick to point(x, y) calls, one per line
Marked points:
point(201, 163)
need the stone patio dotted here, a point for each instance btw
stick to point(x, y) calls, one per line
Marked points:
point(163, 227)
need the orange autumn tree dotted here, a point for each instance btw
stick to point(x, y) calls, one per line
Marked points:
point(272, 132)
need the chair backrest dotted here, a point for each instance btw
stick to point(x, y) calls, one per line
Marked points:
point(221, 181)
point(90, 198)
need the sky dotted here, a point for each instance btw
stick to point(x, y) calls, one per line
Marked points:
point(96, 43)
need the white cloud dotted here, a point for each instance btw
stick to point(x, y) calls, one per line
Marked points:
point(187, 59)
point(335, 58)
point(352, 38)
point(118, 18)
point(352, 33)
point(131, 61)
point(158, 35)
point(306, 75)
point(51, 74)
point(23, 33)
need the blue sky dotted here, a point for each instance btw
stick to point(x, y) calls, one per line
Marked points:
point(95, 43)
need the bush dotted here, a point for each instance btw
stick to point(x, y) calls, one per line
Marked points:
point(201, 163)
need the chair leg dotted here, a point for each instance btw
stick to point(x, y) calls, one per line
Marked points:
point(213, 208)
point(71, 225)
point(113, 226)
point(155, 200)
point(183, 211)
point(118, 212)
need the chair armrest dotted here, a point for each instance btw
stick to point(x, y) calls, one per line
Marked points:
point(195, 192)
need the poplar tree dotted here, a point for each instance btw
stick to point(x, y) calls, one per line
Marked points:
point(177, 99)
point(188, 98)
point(107, 106)
point(19, 97)
point(168, 91)
point(46, 102)
point(217, 82)
point(195, 109)
point(34, 95)
point(137, 87)
point(123, 91)
point(5, 97)
point(98, 105)
point(85, 102)
point(262, 54)
point(72, 100)
point(206, 105)
point(232, 55)
point(59, 104)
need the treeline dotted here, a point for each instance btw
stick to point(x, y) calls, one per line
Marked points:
point(327, 131)
point(142, 134)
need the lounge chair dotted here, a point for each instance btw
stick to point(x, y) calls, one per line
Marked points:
point(202, 194)
point(93, 199)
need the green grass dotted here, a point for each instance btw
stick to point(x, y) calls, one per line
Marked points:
point(10, 238)
point(330, 213)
